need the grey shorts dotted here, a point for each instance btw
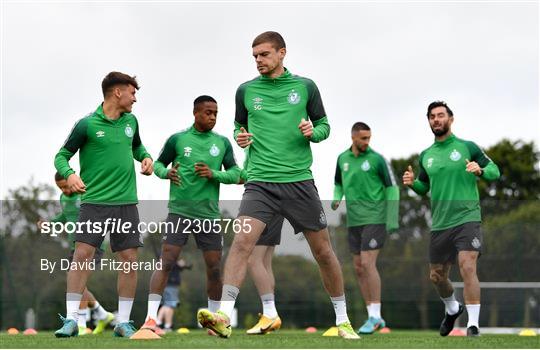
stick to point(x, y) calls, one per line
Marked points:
point(170, 296)
point(445, 244)
point(366, 237)
point(118, 216)
point(271, 236)
point(207, 237)
point(298, 202)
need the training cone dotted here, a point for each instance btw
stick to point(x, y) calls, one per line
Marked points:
point(527, 333)
point(331, 332)
point(144, 334)
point(12, 331)
point(456, 332)
point(385, 330)
point(182, 330)
point(30, 331)
point(311, 330)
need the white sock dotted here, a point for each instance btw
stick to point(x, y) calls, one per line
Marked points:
point(81, 320)
point(451, 304)
point(124, 309)
point(369, 312)
point(376, 310)
point(269, 305)
point(213, 305)
point(473, 310)
point(228, 299)
point(100, 312)
point(73, 300)
point(153, 305)
point(168, 325)
point(340, 307)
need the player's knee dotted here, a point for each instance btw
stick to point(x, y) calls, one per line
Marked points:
point(435, 276)
point(83, 255)
point(467, 269)
point(324, 255)
point(168, 264)
point(358, 268)
point(243, 248)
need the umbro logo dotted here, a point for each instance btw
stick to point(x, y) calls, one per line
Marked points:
point(100, 133)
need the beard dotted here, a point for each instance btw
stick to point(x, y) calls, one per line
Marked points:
point(442, 131)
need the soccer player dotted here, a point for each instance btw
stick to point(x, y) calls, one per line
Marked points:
point(198, 154)
point(70, 203)
point(260, 271)
point(279, 115)
point(450, 168)
point(372, 198)
point(107, 140)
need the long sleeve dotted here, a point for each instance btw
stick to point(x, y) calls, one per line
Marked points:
point(392, 208)
point(490, 169)
point(75, 140)
point(391, 195)
point(338, 184)
point(59, 218)
point(166, 157)
point(231, 174)
point(321, 130)
point(139, 151)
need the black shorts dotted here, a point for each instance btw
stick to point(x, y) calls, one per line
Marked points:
point(298, 202)
point(445, 244)
point(119, 216)
point(366, 237)
point(98, 255)
point(271, 236)
point(207, 232)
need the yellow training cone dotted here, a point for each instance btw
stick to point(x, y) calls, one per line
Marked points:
point(182, 330)
point(331, 332)
point(144, 334)
point(527, 333)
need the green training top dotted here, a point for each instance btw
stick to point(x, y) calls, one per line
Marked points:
point(454, 193)
point(271, 109)
point(71, 206)
point(106, 151)
point(197, 197)
point(369, 186)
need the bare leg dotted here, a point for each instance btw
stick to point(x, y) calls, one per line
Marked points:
point(371, 275)
point(77, 278)
point(127, 281)
point(168, 314)
point(87, 300)
point(319, 243)
point(212, 258)
point(258, 269)
point(169, 255)
point(241, 248)
point(361, 278)
point(467, 268)
point(438, 275)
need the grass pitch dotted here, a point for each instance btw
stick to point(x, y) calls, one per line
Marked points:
point(282, 339)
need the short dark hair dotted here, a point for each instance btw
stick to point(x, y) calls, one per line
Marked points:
point(116, 78)
point(202, 99)
point(436, 104)
point(360, 126)
point(58, 177)
point(273, 38)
